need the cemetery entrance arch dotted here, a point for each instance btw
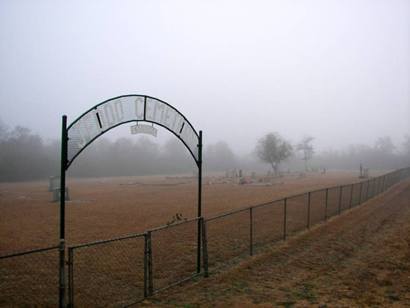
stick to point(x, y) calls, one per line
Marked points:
point(109, 114)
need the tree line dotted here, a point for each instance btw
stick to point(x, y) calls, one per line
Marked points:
point(275, 150)
point(24, 156)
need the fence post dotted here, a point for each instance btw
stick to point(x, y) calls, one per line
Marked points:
point(326, 202)
point(251, 231)
point(308, 211)
point(63, 166)
point(62, 274)
point(145, 265)
point(70, 278)
point(284, 218)
point(384, 183)
point(360, 194)
point(351, 196)
point(377, 186)
point(340, 199)
point(149, 264)
point(367, 190)
point(199, 213)
point(204, 248)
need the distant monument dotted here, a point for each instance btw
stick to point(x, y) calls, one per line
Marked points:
point(364, 172)
point(54, 187)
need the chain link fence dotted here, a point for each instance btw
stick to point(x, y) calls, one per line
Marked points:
point(174, 254)
point(317, 206)
point(296, 213)
point(123, 271)
point(228, 236)
point(239, 233)
point(30, 279)
point(334, 195)
point(110, 271)
point(267, 223)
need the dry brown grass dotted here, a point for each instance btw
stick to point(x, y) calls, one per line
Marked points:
point(106, 208)
point(110, 207)
point(358, 259)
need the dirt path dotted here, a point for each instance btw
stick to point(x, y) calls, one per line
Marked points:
point(361, 258)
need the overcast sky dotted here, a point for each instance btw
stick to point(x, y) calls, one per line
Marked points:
point(336, 70)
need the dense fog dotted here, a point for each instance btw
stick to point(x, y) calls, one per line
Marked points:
point(335, 71)
point(25, 155)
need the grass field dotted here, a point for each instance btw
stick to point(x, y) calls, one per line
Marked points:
point(358, 259)
point(108, 207)
point(111, 207)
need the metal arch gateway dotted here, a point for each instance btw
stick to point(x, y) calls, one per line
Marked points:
point(129, 108)
point(107, 115)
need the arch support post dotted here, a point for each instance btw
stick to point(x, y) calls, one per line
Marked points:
point(61, 296)
point(198, 262)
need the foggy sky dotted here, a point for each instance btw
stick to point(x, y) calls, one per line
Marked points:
point(336, 70)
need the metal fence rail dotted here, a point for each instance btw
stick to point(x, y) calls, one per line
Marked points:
point(238, 233)
point(110, 271)
point(267, 224)
point(173, 254)
point(228, 236)
point(125, 270)
point(317, 206)
point(297, 213)
point(30, 278)
point(333, 201)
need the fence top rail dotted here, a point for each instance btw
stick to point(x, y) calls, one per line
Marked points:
point(22, 253)
point(273, 202)
point(173, 224)
point(294, 196)
point(228, 213)
point(135, 235)
point(317, 190)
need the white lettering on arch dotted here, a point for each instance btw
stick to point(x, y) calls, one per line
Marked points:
point(127, 109)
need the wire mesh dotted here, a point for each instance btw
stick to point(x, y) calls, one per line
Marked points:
point(297, 213)
point(375, 187)
point(365, 189)
point(228, 237)
point(356, 194)
point(333, 201)
point(317, 206)
point(30, 280)
point(268, 223)
point(346, 197)
point(174, 253)
point(380, 185)
point(111, 273)
point(108, 273)
point(371, 189)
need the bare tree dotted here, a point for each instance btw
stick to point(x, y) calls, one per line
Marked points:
point(307, 149)
point(384, 145)
point(219, 157)
point(406, 148)
point(273, 149)
point(406, 144)
point(3, 131)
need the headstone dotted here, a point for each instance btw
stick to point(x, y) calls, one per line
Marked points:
point(53, 183)
point(56, 194)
